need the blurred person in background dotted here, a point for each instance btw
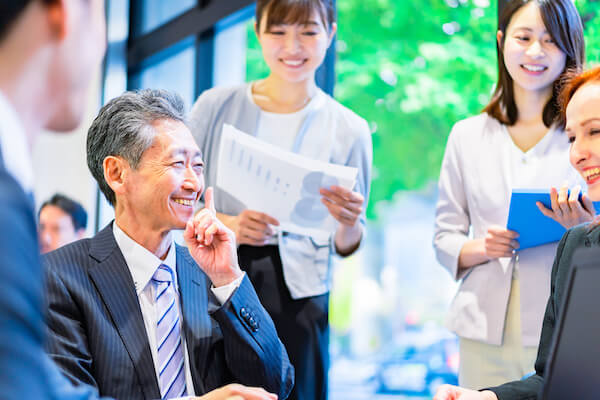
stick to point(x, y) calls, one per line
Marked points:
point(291, 272)
point(515, 143)
point(580, 108)
point(61, 221)
point(49, 51)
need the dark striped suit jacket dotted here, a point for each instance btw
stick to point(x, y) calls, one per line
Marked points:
point(97, 334)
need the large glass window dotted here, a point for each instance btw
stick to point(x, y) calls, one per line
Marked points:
point(156, 12)
point(174, 71)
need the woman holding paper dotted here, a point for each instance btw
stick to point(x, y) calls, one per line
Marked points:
point(497, 312)
point(290, 271)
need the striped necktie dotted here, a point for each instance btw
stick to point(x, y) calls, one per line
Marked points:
point(168, 335)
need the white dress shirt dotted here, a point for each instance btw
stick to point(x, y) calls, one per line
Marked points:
point(14, 146)
point(142, 265)
point(481, 166)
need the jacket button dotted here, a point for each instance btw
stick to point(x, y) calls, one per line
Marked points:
point(243, 313)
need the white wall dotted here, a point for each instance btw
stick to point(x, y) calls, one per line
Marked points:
point(59, 162)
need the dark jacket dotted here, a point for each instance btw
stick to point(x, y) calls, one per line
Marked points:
point(98, 337)
point(580, 236)
point(25, 370)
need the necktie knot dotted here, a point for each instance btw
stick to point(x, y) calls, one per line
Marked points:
point(163, 274)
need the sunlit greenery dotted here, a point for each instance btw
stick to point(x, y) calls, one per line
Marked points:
point(412, 68)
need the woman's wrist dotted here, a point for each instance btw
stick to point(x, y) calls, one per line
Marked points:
point(347, 239)
point(472, 254)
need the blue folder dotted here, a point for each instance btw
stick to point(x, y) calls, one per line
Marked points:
point(533, 227)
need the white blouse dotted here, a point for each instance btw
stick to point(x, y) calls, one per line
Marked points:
point(481, 166)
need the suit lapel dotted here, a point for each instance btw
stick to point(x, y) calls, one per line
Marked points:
point(197, 326)
point(114, 283)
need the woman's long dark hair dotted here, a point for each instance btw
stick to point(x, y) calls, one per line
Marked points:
point(564, 26)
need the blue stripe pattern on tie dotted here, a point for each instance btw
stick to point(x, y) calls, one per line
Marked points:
point(168, 335)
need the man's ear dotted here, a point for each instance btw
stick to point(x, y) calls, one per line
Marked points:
point(57, 17)
point(115, 173)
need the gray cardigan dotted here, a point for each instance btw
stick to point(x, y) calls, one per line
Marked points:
point(306, 260)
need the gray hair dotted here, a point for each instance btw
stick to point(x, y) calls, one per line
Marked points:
point(123, 128)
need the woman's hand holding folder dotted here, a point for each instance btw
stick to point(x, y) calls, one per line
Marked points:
point(569, 208)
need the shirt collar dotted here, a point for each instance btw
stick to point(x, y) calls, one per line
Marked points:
point(141, 262)
point(14, 146)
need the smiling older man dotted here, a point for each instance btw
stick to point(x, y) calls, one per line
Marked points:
point(131, 312)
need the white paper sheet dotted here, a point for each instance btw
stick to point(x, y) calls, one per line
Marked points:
point(280, 183)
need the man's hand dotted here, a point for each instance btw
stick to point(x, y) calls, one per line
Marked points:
point(500, 242)
point(449, 392)
point(567, 210)
point(344, 205)
point(251, 227)
point(235, 391)
point(212, 244)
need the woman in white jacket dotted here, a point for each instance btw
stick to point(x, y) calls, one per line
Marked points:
point(497, 312)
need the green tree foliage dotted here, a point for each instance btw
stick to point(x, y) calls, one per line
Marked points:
point(413, 68)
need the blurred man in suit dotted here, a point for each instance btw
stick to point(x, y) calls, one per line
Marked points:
point(131, 312)
point(49, 50)
point(61, 220)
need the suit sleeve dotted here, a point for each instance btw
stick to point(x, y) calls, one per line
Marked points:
point(63, 389)
point(530, 387)
point(67, 343)
point(21, 318)
point(25, 369)
point(255, 355)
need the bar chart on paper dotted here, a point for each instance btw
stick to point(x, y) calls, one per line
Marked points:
point(280, 183)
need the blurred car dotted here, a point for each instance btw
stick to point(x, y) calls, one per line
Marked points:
point(418, 368)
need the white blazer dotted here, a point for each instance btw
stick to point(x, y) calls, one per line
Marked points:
point(481, 166)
